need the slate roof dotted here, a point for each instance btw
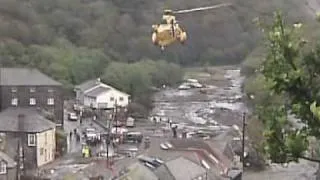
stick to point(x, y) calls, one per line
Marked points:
point(97, 91)
point(33, 121)
point(87, 84)
point(207, 146)
point(184, 169)
point(163, 172)
point(96, 169)
point(139, 172)
point(5, 157)
point(25, 77)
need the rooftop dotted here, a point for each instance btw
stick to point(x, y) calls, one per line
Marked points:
point(138, 171)
point(206, 150)
point(184, 169)
point(24, 120)
point(25, 77)
point(97, 91)
point(88, 84)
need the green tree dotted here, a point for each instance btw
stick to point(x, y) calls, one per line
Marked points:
point(130, 78)
point(137, 78)
point(293, 72)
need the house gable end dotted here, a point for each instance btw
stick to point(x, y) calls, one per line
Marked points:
point(91, 89)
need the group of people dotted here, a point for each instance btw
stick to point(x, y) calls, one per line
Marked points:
point(172, 126)
point(75, 134)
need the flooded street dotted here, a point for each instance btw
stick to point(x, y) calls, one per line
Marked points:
point(219, 106)
point(218, 109)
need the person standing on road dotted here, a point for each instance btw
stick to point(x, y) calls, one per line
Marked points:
point(80, 117)
point(78, 137)
point(154, 120)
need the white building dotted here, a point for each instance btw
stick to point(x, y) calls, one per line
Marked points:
point(96, 94)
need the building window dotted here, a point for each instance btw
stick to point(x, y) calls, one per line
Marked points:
point(45, 155)
point(50, 90)
point(45, 138)
point(32, 101)
point(50, 101)
point(14, 101)
point(32, 90)
point(31, 139)
point(14, 89)
point(121, 99)
point(41, 151)
point(3, 167)
point(111, 98)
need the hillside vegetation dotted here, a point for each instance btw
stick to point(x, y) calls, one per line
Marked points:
point(74, 40)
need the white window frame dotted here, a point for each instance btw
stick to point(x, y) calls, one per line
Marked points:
point(3, 167)
point(32, 90)
point(32, 101)
point(121, 98)
point(50, 101)
point(14, 101)
point(30, 143)
point(14, 89)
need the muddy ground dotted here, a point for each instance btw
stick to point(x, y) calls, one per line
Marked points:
point(221, 106)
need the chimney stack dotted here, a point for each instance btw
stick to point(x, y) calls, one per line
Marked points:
point(21, 118)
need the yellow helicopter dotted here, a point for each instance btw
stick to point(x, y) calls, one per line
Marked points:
point(170, 31)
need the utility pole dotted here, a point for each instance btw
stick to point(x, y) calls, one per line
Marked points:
point(243, 140)
point(18, 158)
point(116, 115)
point(109, 131)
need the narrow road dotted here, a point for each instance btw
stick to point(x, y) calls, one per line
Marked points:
point(69, 126)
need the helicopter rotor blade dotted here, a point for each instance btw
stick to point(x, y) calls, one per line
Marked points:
point(202, 8)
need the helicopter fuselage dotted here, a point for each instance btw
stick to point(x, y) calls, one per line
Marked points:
point(169, 31)
point(169, 19)
point(166, 34)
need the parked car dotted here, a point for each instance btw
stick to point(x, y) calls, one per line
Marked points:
point(184, 86)
point(133, 137)
point(72, 116)
point(150, 162)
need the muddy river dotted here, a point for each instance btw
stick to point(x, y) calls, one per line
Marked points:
point(218, 109)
